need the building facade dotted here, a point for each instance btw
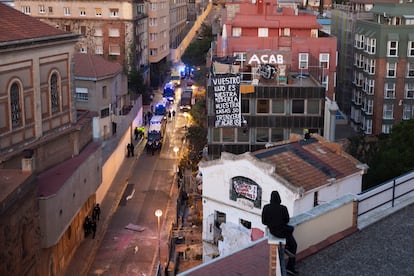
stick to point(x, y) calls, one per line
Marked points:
point(287, 73)
point(117, 30)
point(383, 87)
point(50, 169)
point(102, 88)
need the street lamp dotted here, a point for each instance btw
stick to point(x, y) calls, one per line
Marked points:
point(158, 214)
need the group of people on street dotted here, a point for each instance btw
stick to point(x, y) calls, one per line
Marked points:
point(89, 225)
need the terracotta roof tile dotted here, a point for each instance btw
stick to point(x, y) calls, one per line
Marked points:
point(309, 164)
point(94, 66)
point(15, 26)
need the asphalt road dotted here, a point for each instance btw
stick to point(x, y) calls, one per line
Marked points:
point(130, 244)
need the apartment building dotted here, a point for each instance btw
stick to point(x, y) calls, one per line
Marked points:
point(383, 68)
point(116, 30)
point(178, 21)
point(49, 166)
point(287, 69)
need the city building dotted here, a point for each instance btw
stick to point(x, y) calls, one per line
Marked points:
point(116, 30)
point(306, 173)
point(50, 167)
point(102, 88)
point(343, 21)
point(178, 21)
point(287, 69)
point(383, 71)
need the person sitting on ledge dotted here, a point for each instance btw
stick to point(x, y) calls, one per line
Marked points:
point(276, 217)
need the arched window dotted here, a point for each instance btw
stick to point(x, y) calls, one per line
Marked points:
point(54, 92)
point(15, 109)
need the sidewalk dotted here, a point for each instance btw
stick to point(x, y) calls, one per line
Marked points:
point(85, 253)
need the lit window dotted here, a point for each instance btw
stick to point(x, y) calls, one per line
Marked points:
point(263, 32)
point(82, 11)
point(236, 32)
point(98, 12)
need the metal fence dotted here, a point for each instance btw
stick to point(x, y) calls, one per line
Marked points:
point(387, 195)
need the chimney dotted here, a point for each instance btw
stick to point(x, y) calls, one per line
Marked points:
point(27, 161)
point(274, 260)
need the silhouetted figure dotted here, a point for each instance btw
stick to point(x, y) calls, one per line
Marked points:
point(132, 148)
point(96, 212)
point(276, 217)
point(87, 226)
point(129, 150)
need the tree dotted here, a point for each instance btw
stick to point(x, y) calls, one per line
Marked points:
point(394, 157)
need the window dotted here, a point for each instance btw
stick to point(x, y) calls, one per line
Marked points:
point(277, 135)
point(83, 49)
point(67, 28)
point(141, 9)
point(114, 50)
point(386, 128)
point(370, 45)
point(324, 60)
point(42, 9)
point(99, 49)
point(371, 66)
point(152, 22)
point(114, 12)
point(262, 135)
point(98, 31)
point(392, 48)
point(313, 107)
point(263, 32)
point(15, 105)
point(153, 52)
point(81, 94)
point(410, 49)
point(98, 12)
point(54, 92)
point(105, 112)
point(82, 30)
point(389, 91)
point(409, 90)
point(359, 41)
point(153, 6)
point(367, 126)
point(242, 134)
point(216, 134)
point(228, 134)
point(247, 224)
point(303, 60)
point(153, 36)
point(371, 86)
point(410, 69)
point(315, 198)
point(104, 92)
point(262, 106)
point(357, 97)
point(369, 106)
point(239, 56)
point(113, 32)
point(286, 31)
point(82, 11)
point(278, 106)
point(236, 32)
point(66, 11)
point(245, 106)
point(388, 111)
point(391, 69)
point(298, 106)
point(408, 112)
point(50, 9)
point(26, 9)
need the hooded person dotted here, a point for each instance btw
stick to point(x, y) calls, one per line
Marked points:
point(276, 217)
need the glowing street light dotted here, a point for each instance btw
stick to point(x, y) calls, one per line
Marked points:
point(158, 214)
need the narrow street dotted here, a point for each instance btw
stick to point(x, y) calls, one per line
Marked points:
point(130, 245)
